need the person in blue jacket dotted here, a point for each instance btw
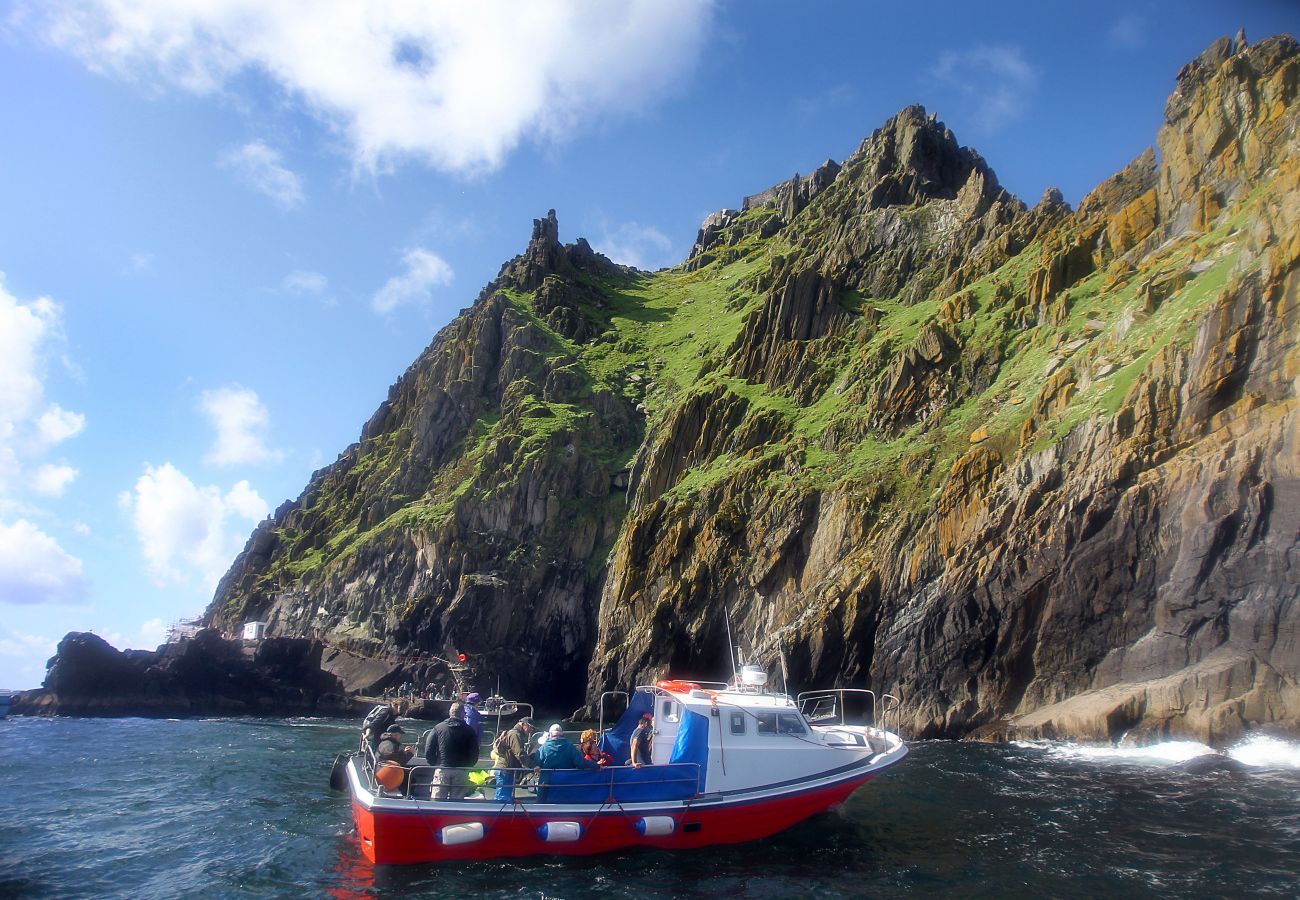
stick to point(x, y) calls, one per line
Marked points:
point(557, 752)
point(472, 717)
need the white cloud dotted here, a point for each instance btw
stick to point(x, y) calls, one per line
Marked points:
point(152, 633)
point(425, 270)
point(830, 102)
point(34, 569)
point(30, 333)
point(25, 329)
point(25, 645)
point(642, 246)
point(52, 480)
point(259, 167)
point(1128, 32)
point(994, 81)
point(56, 425)
point(241, 422)
point(139, 262)
point(454, 85)
point(300, 282)
point(185, 530)
point(245, 502)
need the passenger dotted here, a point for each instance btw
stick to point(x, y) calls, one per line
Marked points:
point(559, 753)
point(643, 742)
point(590, 746)
point(472, 714)
point(452, 748)
point(378, 720)
point(514, 750)
point(390, 748)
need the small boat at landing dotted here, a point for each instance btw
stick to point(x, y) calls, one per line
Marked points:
point(496, 705)
point(739, 763)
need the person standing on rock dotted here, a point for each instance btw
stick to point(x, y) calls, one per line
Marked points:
point(451, 748)
point(377, 721)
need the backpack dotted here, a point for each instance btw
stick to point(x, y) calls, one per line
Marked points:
point(380, 715)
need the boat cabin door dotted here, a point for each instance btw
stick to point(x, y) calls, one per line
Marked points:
point(668, 717)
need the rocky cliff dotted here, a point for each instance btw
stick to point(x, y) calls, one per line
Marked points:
point(201, 676)
point(1035, 470)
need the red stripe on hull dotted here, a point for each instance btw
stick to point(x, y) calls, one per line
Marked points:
point(413, 837)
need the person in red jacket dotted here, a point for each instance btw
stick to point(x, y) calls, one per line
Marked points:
point(590, 747)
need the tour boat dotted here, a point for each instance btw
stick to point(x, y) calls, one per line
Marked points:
point(733, 762)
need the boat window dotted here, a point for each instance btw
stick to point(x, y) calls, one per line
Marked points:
point(737, 722)
point(790, 723)
point(668, 711)
point(766, 722)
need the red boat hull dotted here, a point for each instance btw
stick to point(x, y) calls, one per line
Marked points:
point(401, 836)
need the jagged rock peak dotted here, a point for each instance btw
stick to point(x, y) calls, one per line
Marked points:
point(914, 157)
point(545, 255)
point(1261, 57)
point(787, 198)
point(1222, 128)
point(793, 194)
point(546, 232)
point(1052, 200)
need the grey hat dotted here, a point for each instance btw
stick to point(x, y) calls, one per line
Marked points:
point(526, 720)
point(395, 729)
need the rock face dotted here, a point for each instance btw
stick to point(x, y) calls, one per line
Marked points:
point(1035, 471)
point(473, 513)
point(200, 676)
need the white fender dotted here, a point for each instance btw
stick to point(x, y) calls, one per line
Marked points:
point(560, 832)
point(465, 833)
point(655, 826)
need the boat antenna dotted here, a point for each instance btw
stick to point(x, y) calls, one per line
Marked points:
point(785, 674)
point(731, 648)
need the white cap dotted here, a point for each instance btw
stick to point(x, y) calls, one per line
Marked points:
point(554, 730)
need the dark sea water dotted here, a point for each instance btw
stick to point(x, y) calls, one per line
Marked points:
point(242, 808)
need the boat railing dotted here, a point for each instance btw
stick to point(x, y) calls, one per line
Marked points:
point(829, 706)
point(609, 784)
point(600, 727)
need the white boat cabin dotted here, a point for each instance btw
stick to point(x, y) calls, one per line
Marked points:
point(757, 738)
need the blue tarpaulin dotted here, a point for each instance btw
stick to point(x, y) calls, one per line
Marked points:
point(692, 744)
point(615, 741)
point(626, 785)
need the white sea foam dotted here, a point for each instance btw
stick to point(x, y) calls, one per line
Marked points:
point(1167, 753)
point(1265, 751)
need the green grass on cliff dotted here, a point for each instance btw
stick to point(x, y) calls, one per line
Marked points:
point(1104, 338)
point(666, 335)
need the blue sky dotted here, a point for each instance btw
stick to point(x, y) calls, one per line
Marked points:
point(228, 226)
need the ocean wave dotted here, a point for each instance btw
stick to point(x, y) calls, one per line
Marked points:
point(1166, 753)
point(1267, 752)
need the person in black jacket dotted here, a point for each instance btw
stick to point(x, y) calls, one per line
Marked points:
point(452, 748)
point(378, 720)
point(390, 748)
